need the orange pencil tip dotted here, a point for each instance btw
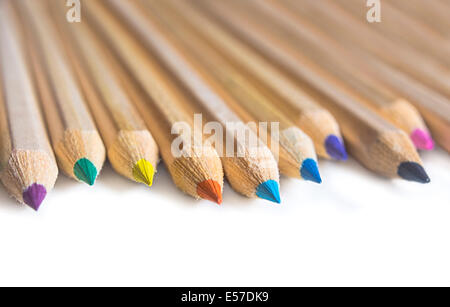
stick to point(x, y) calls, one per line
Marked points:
point(210, 190)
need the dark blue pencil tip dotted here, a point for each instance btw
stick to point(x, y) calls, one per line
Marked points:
point(335, 148)
point(269, 190)
point(310, 171)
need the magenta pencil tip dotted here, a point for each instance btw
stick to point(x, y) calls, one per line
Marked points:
point(422, 139)
point(34, 195)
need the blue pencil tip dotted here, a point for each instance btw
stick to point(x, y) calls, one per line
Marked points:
point(269, 190)
point(335, 148)
point(310, 171)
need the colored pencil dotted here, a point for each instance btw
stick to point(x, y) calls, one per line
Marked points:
point(253, 174)
point(131, 148)
point(295, 103)
point(374, 142)
point(333, 58)
point(433, 106)
point(76, 141)
point(28, 168)
point(197, 169)
point(340, 23)
point(295, 150)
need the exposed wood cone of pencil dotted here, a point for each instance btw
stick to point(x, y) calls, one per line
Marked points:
point(28, 168)
point(77, 144)
point(374, 142)
point(434, 107)
point(131, 148)
point(252, 171)
point(195, 169)
point(333, 58)
point(295, 151)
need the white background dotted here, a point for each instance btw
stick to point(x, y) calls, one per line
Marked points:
point(354, 229)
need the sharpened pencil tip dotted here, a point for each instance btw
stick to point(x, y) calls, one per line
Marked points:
point(85, 171)
point(413, 171)
point(310, 171)
point(335, 148)
point(143, 172)
point(269, 190)
point(210, 190)
point(422, 139)
point(34, 195)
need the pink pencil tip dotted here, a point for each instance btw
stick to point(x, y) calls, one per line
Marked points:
point(422, 139)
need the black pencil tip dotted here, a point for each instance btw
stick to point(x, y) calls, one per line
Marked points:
point(413, 171)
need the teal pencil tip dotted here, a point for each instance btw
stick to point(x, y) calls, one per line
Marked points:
point(269, 190)
point(85, 171)
point(310, 171)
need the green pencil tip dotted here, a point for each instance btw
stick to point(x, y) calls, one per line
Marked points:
point(85, 171)
point(143, 172)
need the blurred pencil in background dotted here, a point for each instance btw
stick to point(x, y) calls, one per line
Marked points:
point(434, 14)
point(341, 22)
point(28, 168)
point(338, 62)
point(434, 106)
point(399, 24)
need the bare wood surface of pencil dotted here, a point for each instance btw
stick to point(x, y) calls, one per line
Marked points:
point(376, 144)
point(76, 141)
point(340, 23)
point(398, 25)
point(296, 104)
point(197, 171)
point(131, 148)
point(432, 13)
point(296, 149)
point(333, 58)
point(28, 168)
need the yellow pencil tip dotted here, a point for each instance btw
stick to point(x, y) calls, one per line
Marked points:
point(143, 172)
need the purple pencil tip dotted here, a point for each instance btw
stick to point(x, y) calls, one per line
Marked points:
point(34, 195)
point(335, 148)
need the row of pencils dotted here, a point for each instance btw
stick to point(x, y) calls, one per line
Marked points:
point(116, 83)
